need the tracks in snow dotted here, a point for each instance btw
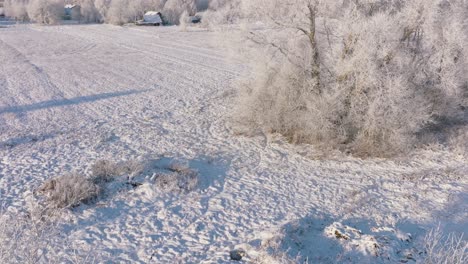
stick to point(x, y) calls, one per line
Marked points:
point(102, 92)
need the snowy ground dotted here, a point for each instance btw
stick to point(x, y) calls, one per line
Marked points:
point(72, 95)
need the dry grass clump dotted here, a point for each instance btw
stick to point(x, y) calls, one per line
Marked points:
point(180, 179)
point(69, 191)
point(106, 171)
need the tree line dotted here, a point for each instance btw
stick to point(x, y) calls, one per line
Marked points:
point(100, 11)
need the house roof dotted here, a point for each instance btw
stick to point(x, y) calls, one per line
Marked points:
point(152, 13)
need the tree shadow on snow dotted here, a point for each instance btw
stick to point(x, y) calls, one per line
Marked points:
point(66, 102)
point(27, 139)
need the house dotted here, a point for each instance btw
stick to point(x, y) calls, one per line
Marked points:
point(72, 12)
point(151, 18)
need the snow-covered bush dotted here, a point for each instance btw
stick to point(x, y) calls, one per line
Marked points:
point(362, 76)
point(445, 249)
point(69, 191)
point(181, 179)
point(106, 171)
point(45, 11)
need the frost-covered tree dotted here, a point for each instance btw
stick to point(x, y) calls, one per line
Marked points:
point(173, 10)
point(361, 75)
point(16, 9)
point(118, 12)
point(89, 12)
point(45, 11)
point(137, 8)
point(222, 12)
point(102, 7)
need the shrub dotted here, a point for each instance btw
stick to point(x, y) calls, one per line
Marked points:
point(69, 191)
point(105, 171)
point(180, 179)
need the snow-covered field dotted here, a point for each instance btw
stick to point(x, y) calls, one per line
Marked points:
point(73, 95)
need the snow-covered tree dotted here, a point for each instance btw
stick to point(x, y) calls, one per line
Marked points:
point(118, 13)
point(89, 12)
point(365, 76)
point(102, 7)
point(16, 9)
point(173, 9)
point(45, 11)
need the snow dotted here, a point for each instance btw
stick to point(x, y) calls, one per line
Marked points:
point(73, 95)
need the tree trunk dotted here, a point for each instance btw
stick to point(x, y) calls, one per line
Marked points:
point(315, 59)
